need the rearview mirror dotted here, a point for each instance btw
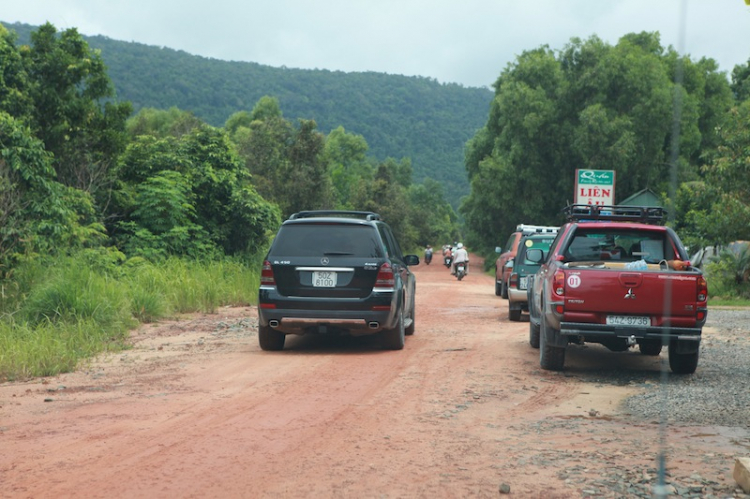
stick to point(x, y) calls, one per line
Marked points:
point(535, 255)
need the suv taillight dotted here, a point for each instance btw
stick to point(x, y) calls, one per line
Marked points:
point(385, 278)
point(266, 275)
point(513, 281)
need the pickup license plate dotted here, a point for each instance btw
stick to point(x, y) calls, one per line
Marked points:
point(324, 279)
point(523, 282)
point(628, 320)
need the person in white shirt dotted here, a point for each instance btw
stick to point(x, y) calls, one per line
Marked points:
point(460, 255)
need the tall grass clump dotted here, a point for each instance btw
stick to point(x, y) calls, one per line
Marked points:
point(204, 286)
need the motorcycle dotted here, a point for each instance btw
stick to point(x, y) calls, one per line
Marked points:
point(447, 260)
point(460, 270)
point(428, 256)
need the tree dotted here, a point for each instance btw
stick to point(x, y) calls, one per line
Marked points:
point(38, 216)
point(73, 109)
point(591, 105)
point(189, 196)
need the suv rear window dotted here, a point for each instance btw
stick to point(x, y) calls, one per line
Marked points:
point(327, 239)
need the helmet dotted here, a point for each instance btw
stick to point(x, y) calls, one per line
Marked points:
point(460, 245)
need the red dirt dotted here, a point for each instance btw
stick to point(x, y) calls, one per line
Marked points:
point(196, 409)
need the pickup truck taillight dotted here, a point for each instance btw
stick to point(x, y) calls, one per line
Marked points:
point(702, 290)
point(266, 275)
point(558, 284)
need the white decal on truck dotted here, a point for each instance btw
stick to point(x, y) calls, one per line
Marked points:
point(574, 281)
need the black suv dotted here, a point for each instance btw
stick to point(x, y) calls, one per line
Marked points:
point(339, 272)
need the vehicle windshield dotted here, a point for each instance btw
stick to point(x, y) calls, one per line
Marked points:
point(628, 246)
point(327, 240)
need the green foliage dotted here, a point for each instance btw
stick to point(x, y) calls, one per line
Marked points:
point(592, 106)
point(73, 109)
point(58, 311)
point(741, 82)
point(188, 196)
point(37, 214)
point(729, 274)
point(399, 116)
point(159, 123)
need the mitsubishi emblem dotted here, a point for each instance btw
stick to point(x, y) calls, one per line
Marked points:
point(324, 260)
point(630, 294)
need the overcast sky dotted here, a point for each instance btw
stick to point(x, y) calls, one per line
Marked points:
point(454, 41)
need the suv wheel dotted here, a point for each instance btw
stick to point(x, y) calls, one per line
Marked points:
point(270, 339)
point(393, 339)
point(504, 290)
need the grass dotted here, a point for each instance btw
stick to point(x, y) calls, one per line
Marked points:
point(56, 314)
point(728, 302)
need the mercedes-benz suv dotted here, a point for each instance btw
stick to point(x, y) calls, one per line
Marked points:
point(336, 272)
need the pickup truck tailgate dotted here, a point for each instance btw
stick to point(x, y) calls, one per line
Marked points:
point(601, 292)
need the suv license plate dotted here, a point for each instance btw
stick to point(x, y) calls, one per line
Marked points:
point(522, 282)
point(324, 279)
point(628, 320)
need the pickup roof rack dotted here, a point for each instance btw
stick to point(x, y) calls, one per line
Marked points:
point(367, 215)
point(527, 230)
point(654, 215)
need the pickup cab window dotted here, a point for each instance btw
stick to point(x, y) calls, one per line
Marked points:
point(624, 245)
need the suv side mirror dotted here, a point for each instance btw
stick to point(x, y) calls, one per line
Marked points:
point(535, 255)
point(498, 249)
point(410, 260)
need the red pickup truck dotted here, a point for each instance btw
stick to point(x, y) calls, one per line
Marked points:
point(615, 276)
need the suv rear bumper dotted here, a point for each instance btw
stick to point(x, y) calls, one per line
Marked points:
point(300, 315)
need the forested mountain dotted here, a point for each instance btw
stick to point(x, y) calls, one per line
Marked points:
point(398, 116)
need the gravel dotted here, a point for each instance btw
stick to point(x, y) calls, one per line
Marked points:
point(718, 393)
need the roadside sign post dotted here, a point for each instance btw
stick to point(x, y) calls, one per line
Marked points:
point(595, 187)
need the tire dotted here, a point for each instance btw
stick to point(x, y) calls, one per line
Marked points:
point(504, 293)
point(270, 339)
point(410, 330)
point(650, 347)
point(460, 276)
point(533, 334)
point(514, 314)
point(682, 363)
point(394, 339)
point(551, 358)
point(498, 289)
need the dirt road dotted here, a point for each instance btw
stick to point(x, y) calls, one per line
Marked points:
point(196, 409)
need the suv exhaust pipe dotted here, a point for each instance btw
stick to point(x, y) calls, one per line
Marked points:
point(374, 325)
point(273, 323)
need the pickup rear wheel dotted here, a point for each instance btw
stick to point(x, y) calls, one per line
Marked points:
point(514, 314)
point(533, 334)
point(650, 347)
point(504, 290)
point(270, 339)
point(551, 358)
point(682, 363)
point(498, 288)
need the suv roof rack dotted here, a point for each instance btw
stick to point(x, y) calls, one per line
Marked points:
point(527, 230)
point(367, 215)
point(614, 213)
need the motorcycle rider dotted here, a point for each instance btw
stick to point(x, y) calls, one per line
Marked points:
point(460, 255)
point(428, 254)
